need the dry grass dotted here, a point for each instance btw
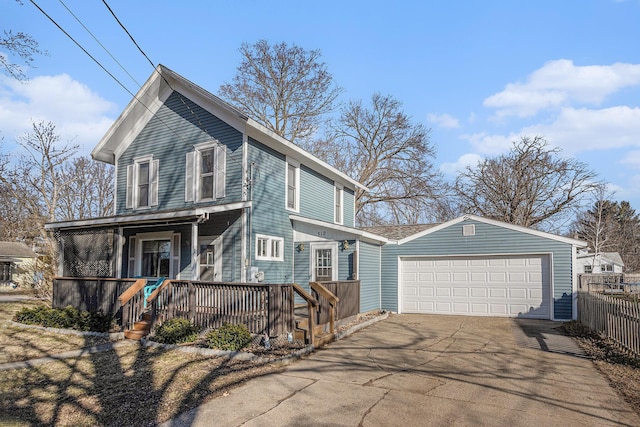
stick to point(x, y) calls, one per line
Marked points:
point(128, 386)
point(621, 369)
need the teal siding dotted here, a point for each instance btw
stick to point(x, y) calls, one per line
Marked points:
point(302, 270)
point(349, 200)
point(489, 239)
point(316, 195)
point(268, 214)
point(168, 136)
point(369, 275)
point(345, 261)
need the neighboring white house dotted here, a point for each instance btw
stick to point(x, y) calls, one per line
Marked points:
point(604, 262)
point(16, 263)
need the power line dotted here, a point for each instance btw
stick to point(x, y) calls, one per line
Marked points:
point(101, 45)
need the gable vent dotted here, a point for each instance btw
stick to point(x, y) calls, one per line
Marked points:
point(469, 230)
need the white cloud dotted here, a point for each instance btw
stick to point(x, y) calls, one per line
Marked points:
point(79, 114)
point(632, 159)
point(561, 83)
point(490, 144)
point(579, 130)
point(443, 120)
point(470, 159)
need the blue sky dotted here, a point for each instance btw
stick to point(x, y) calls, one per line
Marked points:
point(479, 74)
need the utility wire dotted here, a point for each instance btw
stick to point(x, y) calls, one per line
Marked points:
point(101, 45)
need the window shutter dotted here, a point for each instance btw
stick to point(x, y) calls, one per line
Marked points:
point(189, 179)
point(131, 270)
point(153, 182)
point(175, 256)
point(221, 172)
point(129, 191)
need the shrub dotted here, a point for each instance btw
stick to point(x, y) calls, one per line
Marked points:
point(229, 337)
point(65, 318)
point(176, 331)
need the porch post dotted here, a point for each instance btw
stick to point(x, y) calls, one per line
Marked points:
point(195, 271)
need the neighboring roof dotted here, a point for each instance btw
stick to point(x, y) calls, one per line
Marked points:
point(612, 257)
point(16, 250)
point(148, 218)
point(433, 229)
point(159, 87)
point(398, 232)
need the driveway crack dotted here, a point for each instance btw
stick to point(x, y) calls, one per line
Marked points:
point(368, 411)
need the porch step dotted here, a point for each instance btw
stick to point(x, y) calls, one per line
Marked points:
point(141, 328)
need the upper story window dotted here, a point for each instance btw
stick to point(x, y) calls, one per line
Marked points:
point(607, 268)
point(269, 248)
point(338, 204)
point(292, 183)
point(142, 183)
point(206, 172)
point(588, 269)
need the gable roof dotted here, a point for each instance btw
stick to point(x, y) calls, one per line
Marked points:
point(397, 232)
point(574, 242)
point(15, 250)
point(160, 85)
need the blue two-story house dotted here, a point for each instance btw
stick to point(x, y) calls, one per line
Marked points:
point(204, 192)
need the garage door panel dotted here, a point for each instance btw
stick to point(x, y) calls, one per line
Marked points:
point(492, 285)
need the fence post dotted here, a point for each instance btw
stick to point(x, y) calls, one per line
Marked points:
point(192, 301)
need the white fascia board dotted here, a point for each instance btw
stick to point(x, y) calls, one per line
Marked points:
point(356, 232)
point(272, 140)
point(573, 242)
point(148, 217)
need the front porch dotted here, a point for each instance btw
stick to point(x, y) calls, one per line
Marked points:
point(269, 309)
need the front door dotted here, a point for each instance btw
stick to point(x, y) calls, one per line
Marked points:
point(324, 263)
point(210, 258)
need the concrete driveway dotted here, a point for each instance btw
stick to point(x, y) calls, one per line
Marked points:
point(427, 370)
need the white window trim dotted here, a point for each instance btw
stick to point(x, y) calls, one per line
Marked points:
point(338, 192)
point(296, 165)
point(334, 258)
point(132, 185)
point(269, 241)
point(174, 256)
point(194, 171)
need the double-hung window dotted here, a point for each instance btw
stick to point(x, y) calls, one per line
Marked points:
point(269, 248)
point(292, 182)
point(338, 203)
point(142, 183)
point(206, 172)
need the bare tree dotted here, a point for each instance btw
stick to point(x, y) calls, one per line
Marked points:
point(89, 189)
point(532, 186)
point(379, 146)
point(285, 88)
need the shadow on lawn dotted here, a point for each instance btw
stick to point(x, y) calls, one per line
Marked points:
point(131, 385)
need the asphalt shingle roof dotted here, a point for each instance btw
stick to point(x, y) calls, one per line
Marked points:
point(15, 249)
point(397, 232)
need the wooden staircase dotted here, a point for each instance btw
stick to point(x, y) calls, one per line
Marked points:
point(141, 328)
point(321, 337)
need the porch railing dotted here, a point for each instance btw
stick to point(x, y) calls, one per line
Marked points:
point(347, 292)
point(263, 308)
point(132, 301)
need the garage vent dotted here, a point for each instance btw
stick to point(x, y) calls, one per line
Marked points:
point(469, 230)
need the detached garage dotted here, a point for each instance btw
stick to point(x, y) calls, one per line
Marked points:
point(479, 267)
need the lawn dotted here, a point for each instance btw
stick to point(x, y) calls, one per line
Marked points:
point(130, 385)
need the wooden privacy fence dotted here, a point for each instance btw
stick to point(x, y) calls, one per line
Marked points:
point(90, 293)
point(263, 308)
point(614, 317)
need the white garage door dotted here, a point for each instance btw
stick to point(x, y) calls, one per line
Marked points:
point(511, 286)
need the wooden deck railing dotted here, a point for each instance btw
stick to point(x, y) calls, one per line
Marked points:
point(312, 305)
point(327, 303)
point(263, 308)
point(348, 293)
point(615, 317)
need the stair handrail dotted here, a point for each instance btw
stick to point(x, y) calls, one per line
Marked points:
point(128, 312)
point(132, 290)
point(312, 304)
point(331, 298)
point(151, 301)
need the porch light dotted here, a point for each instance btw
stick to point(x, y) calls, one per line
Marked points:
point(301, 247)
point(345, 245)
